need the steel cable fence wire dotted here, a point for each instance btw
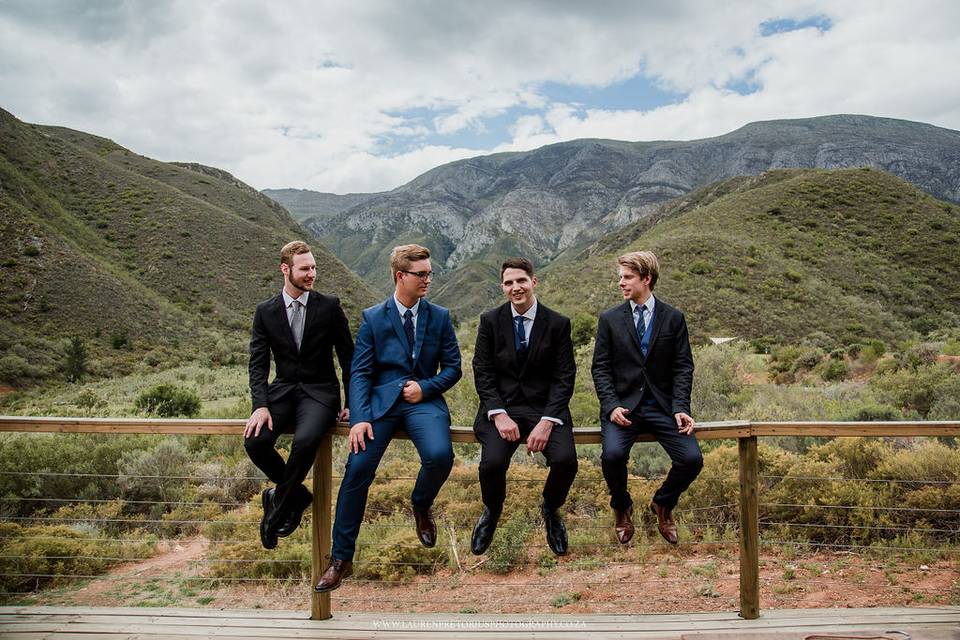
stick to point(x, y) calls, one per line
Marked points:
point(866, 547)
point(854, 506)
point(871, 480)
point(856, 526)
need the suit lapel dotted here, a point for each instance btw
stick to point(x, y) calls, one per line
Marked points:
point(538, 332)
point(313, 310)
point(505, 320)
point(629, 326)
point(280, 316)
point(423, 317)
point(393, 317)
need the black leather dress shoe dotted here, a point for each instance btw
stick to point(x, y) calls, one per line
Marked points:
point(483, 532)
point(268, 535)
point(291, 520)
point(334, 575)
point(426, 527)
point(556, 531)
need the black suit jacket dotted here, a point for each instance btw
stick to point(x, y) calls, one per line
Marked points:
point(311, 368)
point(620, 372)
point(543, 384)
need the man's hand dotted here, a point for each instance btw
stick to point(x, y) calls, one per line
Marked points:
point(508, 429)
point(256, 421)
point(537, 440)
point(685, 423)
point(619, 416)
point(412, 392)
point(357, 432)
point(344, 415)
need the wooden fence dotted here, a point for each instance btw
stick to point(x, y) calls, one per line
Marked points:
point(746, 434)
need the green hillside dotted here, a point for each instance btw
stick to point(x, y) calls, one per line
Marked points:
point(131, 254)
point(851, 253)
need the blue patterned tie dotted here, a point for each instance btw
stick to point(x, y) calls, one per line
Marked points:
point(641, 328)
point(519, 335)
point(408, 328)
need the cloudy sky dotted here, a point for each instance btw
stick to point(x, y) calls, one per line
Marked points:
point(366, 95)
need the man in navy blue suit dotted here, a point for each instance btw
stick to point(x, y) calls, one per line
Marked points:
point(406, 357)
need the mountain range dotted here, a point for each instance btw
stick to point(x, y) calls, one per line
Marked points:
point(557, 199)
point(131, 254)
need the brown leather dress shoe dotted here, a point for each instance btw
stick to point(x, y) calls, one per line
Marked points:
point(665, 523)
point(624, 524)
point(334, 575)
point(426, 527)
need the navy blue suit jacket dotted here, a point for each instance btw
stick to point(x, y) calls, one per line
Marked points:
point(382, 363)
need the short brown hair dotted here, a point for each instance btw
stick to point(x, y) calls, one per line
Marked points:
point(644, 263)
point(402, 256)
point(516, 263)
point(295, 248)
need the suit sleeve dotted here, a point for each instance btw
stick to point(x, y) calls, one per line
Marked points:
point(602, 369)
point(259, 366)
point(682, 370)
point(343, 343)
point(361, 372)
point(450, 371)
point(484, 370)
point(563, 376)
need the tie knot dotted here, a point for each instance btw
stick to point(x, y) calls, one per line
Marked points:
point(407, 315)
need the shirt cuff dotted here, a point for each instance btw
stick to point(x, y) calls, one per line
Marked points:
point(555, 421)
point(494, 412)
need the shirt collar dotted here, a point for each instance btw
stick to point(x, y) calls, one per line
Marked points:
point(649, 305)
point(402, 309)
point(288, 299)
point(531, 313)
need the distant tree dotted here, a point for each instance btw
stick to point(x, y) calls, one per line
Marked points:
point(76, 364)
point(582, 329)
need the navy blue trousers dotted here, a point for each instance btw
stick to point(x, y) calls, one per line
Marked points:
point(428, 426)
point(684, 452)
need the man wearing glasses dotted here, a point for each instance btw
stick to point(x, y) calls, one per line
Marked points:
point(406, 357)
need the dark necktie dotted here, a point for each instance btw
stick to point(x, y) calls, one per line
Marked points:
point(641, 327)
point(408, 328)
point(519, 335)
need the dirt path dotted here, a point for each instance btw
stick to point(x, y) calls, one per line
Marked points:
point(701, 578)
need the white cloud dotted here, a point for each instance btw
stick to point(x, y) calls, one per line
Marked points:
point(305, 94)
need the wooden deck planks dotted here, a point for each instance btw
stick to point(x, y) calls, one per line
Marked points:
point(65, 623)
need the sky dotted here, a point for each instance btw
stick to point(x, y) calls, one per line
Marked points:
point(363, 96)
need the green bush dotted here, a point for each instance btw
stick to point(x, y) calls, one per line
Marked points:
point(76, 359)
point(169, 401)
point(583, 328)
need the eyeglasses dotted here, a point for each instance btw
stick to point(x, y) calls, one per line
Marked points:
point(423, 275)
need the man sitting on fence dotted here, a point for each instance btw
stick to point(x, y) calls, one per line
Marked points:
point(524, 371)
point(407, 356)
point(643, 373)
point(300, 327)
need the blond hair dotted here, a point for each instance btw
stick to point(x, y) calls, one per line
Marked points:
point(295, 248)
point(644, 263)
point(402, 256)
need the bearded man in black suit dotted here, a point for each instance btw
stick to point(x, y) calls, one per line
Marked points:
point(643, 374)
point(524, 371)
point(300, 327)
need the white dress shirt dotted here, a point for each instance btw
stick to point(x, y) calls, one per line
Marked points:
point(288, 303)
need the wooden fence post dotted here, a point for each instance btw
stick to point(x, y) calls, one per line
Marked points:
point(322, 524)
point(749, 530)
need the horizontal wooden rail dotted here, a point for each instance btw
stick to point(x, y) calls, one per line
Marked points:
point(720, 430)
point(745, 432)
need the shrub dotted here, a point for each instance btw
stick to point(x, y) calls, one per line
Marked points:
point(119, 338)
point(583, 328)
point(169, 401)
point(509, 545)
point(832, 370)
